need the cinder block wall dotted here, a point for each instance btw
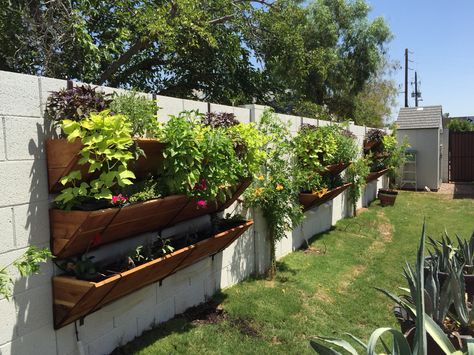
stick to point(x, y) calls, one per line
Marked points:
point(27, 319)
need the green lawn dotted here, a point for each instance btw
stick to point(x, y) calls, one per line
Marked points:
point(327, 291)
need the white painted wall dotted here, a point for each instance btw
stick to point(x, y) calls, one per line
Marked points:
point(27, 320)
point(426, 142)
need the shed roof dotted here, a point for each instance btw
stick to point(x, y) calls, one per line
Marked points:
point(420, 117)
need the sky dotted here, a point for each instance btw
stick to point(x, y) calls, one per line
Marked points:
point(440, 34)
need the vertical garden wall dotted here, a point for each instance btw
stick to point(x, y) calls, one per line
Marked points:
point(27, 319)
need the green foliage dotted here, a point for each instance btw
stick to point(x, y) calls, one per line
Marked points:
point(459, 125)
point(375, 102)
point(356, 174)
point(316, 52)
point(107, 141)
point(424, 324)
point(140, 111)
point(317, 147)
point(395, 155)
point(204, 162)
point(27, 264)
point(143, 191)
point(274, 191)
point(76, 103)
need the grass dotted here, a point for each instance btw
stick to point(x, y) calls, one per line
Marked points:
point(327, 292)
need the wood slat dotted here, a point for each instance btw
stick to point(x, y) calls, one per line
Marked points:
point(74, 298)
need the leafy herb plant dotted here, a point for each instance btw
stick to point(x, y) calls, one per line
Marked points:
point(140, 111)
point(107, 141)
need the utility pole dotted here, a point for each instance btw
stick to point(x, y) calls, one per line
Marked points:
point(416, 90)
point(406, 77)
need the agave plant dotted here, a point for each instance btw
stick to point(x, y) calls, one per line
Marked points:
point(445, 250)
point(399, 345)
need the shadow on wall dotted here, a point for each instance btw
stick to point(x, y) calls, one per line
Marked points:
point(33, 295)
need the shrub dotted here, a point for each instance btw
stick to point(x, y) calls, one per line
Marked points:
point(141, 113)
point(76, 103)
point(219, 119)
point(459, 125)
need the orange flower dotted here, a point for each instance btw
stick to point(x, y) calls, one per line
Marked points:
point(261, 178)
point(258, 191)
point(279, 187)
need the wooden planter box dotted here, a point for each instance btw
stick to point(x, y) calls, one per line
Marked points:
point(74, 299)
point(72, 232)
point(62, 157)
point(335, 169)
point(368, 145)
point(309, 200)
point(375, 175)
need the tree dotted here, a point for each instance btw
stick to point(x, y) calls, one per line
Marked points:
point(374, 104)
point(283, 53)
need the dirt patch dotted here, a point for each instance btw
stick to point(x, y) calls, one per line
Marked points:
point(349, 277)
point(457, 190)
point(315, 251)
point(322, 295)
point(205, 313)
point(361, 210)
point(384, 227)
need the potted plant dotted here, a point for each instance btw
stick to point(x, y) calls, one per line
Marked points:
point(394, 158)
point(321, 154)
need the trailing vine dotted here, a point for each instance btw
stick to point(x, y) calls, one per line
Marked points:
point(275, 191)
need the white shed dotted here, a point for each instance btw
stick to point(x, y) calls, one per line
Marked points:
point(422, 127)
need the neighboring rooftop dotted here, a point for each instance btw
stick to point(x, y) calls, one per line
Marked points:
point(420, 117)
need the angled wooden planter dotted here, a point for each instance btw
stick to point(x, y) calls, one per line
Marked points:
point(335, 169)
point(72, 232)
point(63, 156)
point(74, 299)
point(375, 175)
point(309, 200)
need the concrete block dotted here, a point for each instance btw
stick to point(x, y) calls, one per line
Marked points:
point(34, 309)
point(239, 256)
point(164, 310)
point(66, 340)
point(23, 182)
point(311, 121)
point(323, 123)
point(31, 224)
point(24, 138)
point(189, 105)
point(2, 140)
point(19, 95)
point(8, 330)
point(96, 325)
point(40, 341)
point(222, 108)
point(242, 114)
point(46, 86)
point(106, 343)
point(189, 295)
point(169, 106)
point(294, 122)
point(6, 226)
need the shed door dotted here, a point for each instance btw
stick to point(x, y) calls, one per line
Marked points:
point(461, 156)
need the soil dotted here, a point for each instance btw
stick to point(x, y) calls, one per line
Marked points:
point(212, 313)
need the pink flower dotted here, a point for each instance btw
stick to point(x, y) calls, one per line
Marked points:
point(202, 203)
point(119, 199)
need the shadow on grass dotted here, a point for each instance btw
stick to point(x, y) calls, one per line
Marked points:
point(208, 312)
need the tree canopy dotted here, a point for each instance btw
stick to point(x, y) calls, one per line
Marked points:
point(292, 55)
